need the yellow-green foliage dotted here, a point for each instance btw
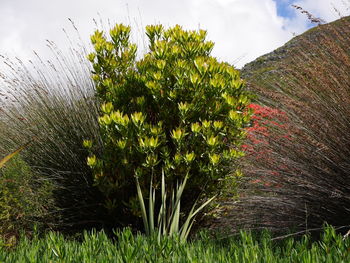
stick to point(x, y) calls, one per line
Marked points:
point(176, 109)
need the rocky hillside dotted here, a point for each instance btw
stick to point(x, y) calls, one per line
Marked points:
point(266, 66)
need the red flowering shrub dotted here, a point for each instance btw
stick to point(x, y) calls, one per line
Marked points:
point(269, 126)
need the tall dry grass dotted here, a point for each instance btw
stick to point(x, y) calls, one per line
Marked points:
point(306, 179)
point(52, 103)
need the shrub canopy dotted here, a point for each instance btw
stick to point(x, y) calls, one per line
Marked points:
point(177, 109)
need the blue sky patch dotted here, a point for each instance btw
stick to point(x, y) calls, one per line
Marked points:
point(284, 8)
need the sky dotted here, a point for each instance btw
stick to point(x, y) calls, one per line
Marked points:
point(241, 29)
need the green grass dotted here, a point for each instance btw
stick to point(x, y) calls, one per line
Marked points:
point(128, 247)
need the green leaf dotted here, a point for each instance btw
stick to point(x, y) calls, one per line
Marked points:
point(143, 208)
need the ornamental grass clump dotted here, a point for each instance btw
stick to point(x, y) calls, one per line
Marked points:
point(177, 109)
point(51, 103)
point(307, 173)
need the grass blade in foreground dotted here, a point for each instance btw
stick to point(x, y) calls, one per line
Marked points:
point(244, 248)
point(11, 155)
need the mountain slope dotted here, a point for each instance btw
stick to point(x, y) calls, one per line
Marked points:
point(310, 44)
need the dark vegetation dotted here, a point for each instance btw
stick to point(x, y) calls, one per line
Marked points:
point(23, 201)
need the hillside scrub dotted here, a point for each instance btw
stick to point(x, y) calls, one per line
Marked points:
point(181, 111)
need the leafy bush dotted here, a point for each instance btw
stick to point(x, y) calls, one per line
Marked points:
point(176, 109)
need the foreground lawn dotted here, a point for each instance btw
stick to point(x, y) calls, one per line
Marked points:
point(97, 247)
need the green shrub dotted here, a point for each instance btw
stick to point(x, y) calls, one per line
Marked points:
point(24, 201)
point(176, 109)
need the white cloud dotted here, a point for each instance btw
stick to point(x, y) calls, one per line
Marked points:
point(328, 10)
point(241, 28)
